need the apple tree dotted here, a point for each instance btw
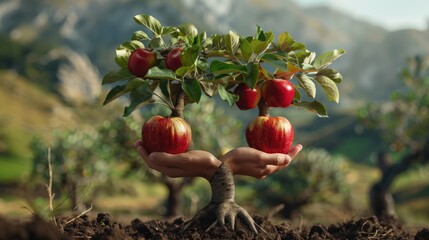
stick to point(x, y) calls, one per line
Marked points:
point(176, 65)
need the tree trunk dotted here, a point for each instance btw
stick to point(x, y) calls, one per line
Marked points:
point(174, 198)
point(381, 200)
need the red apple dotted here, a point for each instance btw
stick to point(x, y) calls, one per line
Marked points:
point(278, 92)
point(166, 134)
point(248, 98)
point(173, 60)
point(140, 61)
point(270, 134)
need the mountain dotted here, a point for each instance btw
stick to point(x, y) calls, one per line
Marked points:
point(96, 27)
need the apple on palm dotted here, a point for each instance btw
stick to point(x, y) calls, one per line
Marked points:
point(166, 134)
point(270, 134)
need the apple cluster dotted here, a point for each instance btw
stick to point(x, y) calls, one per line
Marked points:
point(268, 134)
point(265, 133)
point(173, 133)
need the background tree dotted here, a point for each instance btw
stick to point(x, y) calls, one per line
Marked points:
point(314, 175)
point(403, 122)
point(77, 163)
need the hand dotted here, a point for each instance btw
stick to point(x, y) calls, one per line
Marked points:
point(195, 163)
point(252, 162)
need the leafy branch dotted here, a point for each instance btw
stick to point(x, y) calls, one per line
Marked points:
point(216, 64)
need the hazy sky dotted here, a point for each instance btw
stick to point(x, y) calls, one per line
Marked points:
point(391, 14)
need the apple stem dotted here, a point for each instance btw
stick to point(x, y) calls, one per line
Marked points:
point(179, 106)
point(263, 108)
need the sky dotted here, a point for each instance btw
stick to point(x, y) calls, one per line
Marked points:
point(390, 14)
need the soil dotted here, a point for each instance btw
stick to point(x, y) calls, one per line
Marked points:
point(104, 227)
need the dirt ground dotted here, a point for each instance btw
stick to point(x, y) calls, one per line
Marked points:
point(104, 227)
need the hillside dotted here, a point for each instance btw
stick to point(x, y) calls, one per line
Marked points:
point(28, 111)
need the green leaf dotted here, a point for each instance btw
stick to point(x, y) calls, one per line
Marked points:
point(259, 33)
point(120, 90)
point(157, 73)
point(114, 93)
point(183, 71)
point(314, 106)
point(269, 37)
point(232, 41)
point(164, 85)
point(307, 84)
point(310, 58)
point(139, 35)
point(192, 89)
point(327, 58)
point(122, 56)
point(252, 75)
point(134, 83)
point(227, 96)
point(259, 46)
point(217, 41)
point(190, 56)
point(205, 41)
point(131, 45)
point(150, 22)
point(285, 41)
point(168, 30)
point(331, 73)
point(219, 67)
point(246, 50)
point(274, 60)
point(297, 46)
point(138, 95)
point(116, 76)
point(189, 30)
point(330, 88)
point(157, 42)
point(209, 88)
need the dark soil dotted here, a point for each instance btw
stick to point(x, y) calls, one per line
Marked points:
point(104, 227)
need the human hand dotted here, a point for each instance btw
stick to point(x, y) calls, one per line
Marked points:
point(252, 162)
point(195, 163)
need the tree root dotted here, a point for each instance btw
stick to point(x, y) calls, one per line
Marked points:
point(222, 210)
point(223, 215)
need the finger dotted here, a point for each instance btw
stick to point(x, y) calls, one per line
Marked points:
point(295, 150)
point(268, 170)
point(167, 159)
point(277, 159)
point(168, 171)
point(141, 150)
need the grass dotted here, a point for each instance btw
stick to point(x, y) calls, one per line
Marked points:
point(13, 169)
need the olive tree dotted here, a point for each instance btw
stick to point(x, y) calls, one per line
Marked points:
point(403, 122)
